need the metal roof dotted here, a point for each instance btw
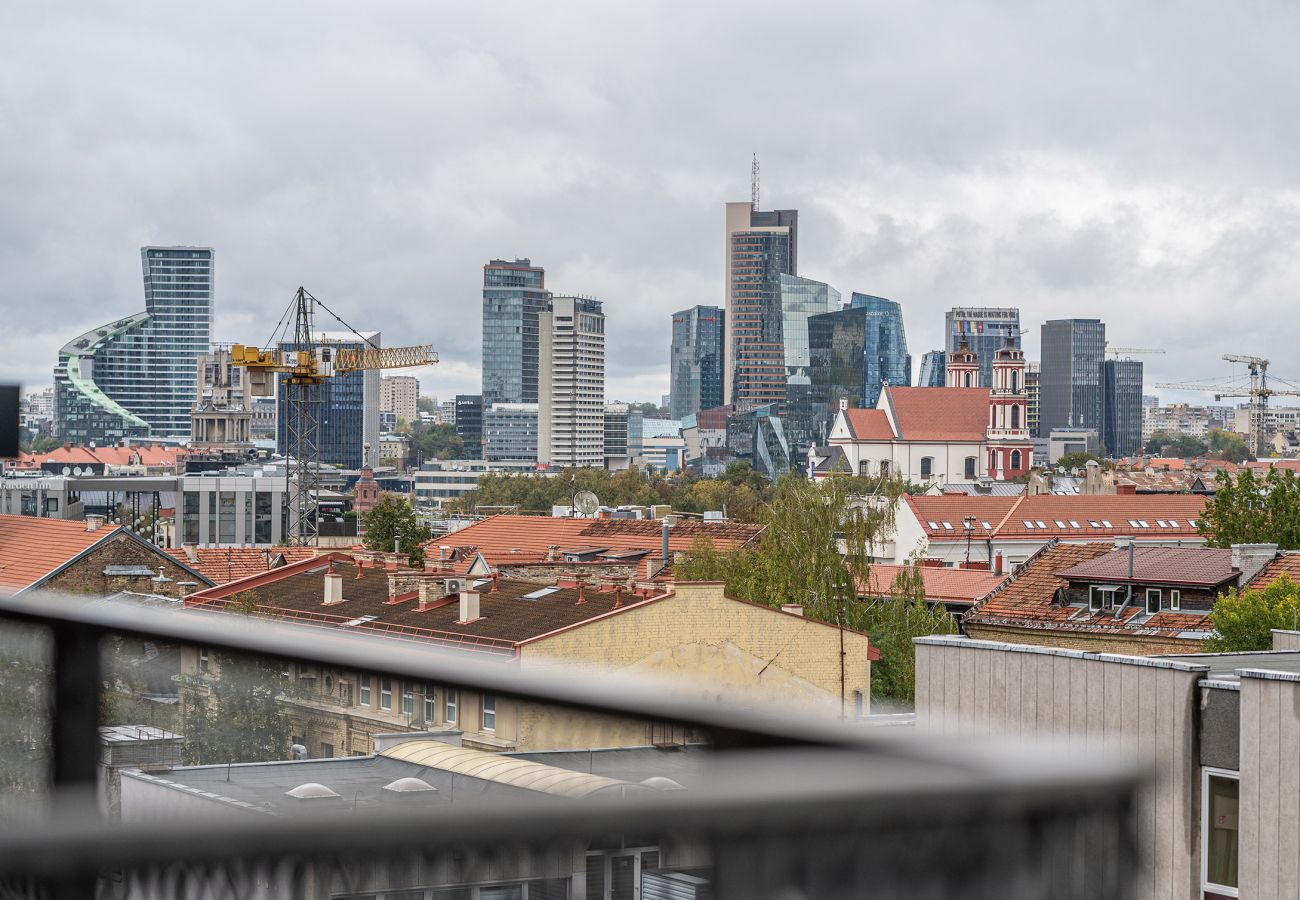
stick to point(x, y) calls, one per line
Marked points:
point(533, 776)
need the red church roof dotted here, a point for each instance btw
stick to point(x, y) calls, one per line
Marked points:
point(939, 414)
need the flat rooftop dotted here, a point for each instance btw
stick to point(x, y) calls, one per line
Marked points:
point(1224, 666)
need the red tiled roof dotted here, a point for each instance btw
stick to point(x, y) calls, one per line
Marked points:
point(1285, 563)
point(221, 565)
point(869, 424)
point(941, 583)
point(940, 414)
point(1026, 601)
point(1065, 516)
point(505, 539)
point(148, 455)
point(1199, 566)
point(32, 549)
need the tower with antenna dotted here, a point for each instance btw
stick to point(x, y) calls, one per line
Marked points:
point(753, 183)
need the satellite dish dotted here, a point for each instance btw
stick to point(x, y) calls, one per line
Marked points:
point(586, 503)
point(67, 471)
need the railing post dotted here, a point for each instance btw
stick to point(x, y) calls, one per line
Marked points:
point(74, 723)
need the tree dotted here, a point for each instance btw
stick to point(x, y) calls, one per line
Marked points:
point(1227, 445)
point(1071, 461)
point(1178, 445)
point(235, 716)
point(426, 405)
point(1244, 621)
point(391, 522)
point(893, 622)
point(1248, 509)
point(436, 442)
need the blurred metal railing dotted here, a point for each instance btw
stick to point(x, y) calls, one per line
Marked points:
point(793, 808)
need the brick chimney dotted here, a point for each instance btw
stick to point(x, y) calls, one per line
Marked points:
point(94, 522)
point(1251, 559)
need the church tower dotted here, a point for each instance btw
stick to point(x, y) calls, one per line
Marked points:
point(963, 367)
point(1010, 449)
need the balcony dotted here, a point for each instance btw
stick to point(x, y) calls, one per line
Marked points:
point(777, 803)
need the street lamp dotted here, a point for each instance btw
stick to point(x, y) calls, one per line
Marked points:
point(969, 524)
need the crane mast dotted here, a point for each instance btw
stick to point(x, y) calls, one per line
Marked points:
point(1257, 392)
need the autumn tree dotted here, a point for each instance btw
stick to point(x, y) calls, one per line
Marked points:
point(1244, 621)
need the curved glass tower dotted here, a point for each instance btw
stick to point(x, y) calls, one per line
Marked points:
point(885, 356)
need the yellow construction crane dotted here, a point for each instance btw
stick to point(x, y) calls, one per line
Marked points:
point(1128, 351)
point(306, 364)
point(1257, 390)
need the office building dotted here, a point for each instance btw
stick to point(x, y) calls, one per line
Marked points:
point(933, 366)
point(696, 358)
point(136, 376)
point(1070, 379)
point(510, 432)
point(760, 247)
point(469, 423)
point(349, 407)
point(571, 384)
point(801, 298)
point(985, 330)
point(514, 296)
point(400, 395)
point(222, 417)
point(1033, 391)
point(885, 354)
point(1121, 428)
point(245, 506)
point(837, 364)
point(617, 454)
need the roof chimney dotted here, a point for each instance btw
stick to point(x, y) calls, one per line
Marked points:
point(192, 551)
point(1251, 559)
point(795, 609)
point(333, 588)
point(468, 607)
point(997, 563)
point(94, 522)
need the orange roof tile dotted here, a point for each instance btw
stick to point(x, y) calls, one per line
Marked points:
point(869, 424)
point(1285, 563)
point(221, 565)
point(506, 539)
point(939, 414)
point(1066, 516)
point(32, 549)
point(941, 583)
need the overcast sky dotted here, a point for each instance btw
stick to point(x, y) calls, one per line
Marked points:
point(1135, 162)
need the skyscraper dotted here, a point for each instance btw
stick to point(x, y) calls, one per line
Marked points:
point(985, 330)
point(1070, 376)
point(801, 298)
point(1121, 429)
point(695, 361)
point(885, 354)
point(571, 384)
point(349, 407)
point(933, 365)
point(760, 247)
point(137, 376)
point(468, 419)
point(837, 363)
point(514, 295)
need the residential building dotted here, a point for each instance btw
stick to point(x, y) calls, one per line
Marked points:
point(514, 296)
point(84, 411)
point(1121, 419)
point(1034, 398)
point(222, 416)
point(696, 360)
point(1002, 532)
point(394, 450)
point(886, 360)
point(1276, 419)
point(90, 558)
point(348, 407)
point(985, 330)
point(956, 590)
point(438, 482)
point(510, 432)
point(760, 248)
point(1070, 380)
point(934, 369)
point(1182, 419)
point(400, 395)
point(222, 565)
point(447, 412)
point(571, 409)
point(469, 423)
point(803, 411)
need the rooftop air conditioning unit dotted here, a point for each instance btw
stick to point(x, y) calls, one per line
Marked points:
point(453, 586)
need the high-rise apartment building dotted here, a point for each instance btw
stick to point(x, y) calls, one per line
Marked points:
point(934, 363)
point(985, 330)
point(1121, 430)
point(760, 248)
point(695, 360)
point(885, 355)
point(400, 395)
point(514, 296)
point(510, 432)
point(1070, 378)
point(141, 368)
point(349, 407)
point(571, 384)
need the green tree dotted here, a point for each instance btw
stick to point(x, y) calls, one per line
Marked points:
point(426, 405)
point(1244, 621)
point(1176, 445)
point(1227, 445)
point(436, 442)
point(235, 716)
point(893, 622)
point(1072, 461)
point(1248, 509)
point(391, 522)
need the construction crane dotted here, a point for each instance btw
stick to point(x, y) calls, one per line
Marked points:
point(306, 364)
point(1257, 391)
point(1128, 351)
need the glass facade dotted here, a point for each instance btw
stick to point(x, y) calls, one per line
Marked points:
point(985, 331)
point(837, 342)
point(510, 432)
point(934, 368)
point(696, 360)
point(469, 423)
point(1121, 406)
point(801, 298)
point(1070, 374)
point(759, 251)
point(514, 295)
point(885, 354)
point(349, 409)
point(616, 437)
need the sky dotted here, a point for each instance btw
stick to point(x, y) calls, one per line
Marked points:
point(1132, 162)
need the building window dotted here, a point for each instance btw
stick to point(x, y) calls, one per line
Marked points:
point(970, 467)
point(1096, 598)
point(1175, 599)
point(408, 699)
point(386, 693)
point(430, 705)
point(1015, 460)
point(363, 690)
point(927, 466)
point(203, 659)
point(489, 712)
point(449, 698)
point(1015, 416)
point(884, 468)
point(1220, 791)
point(1153, 600)
point(1015, 382)
point(326, 750)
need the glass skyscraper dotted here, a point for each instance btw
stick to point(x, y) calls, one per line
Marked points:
point(837, 363)
point(885, 353)
point(1121, 429)
point(761, 247)
point(696, 359)
point(146, 364)
point(985, 331)
point(1070, 375)
point(934, 368)
point(349, 407)
point(801, 298)
point(514, 295)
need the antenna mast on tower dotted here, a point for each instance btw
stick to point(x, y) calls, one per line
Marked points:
point(753, 183)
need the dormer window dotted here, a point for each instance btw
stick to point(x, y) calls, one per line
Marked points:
point(1153, 600)
point(1101, 596)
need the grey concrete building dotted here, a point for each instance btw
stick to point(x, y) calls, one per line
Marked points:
point(1070, 375)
